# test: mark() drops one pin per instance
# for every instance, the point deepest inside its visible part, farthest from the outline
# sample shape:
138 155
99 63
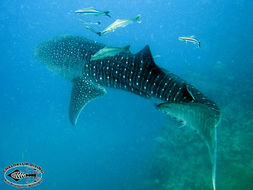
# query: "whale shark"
70 56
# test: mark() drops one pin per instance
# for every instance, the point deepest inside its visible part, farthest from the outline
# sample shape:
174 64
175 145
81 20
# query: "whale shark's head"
66 55
61 56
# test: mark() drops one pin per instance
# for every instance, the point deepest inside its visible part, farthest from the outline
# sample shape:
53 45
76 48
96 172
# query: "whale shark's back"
70 57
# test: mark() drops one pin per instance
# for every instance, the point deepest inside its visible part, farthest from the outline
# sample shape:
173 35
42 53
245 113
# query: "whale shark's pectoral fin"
83 91
200 117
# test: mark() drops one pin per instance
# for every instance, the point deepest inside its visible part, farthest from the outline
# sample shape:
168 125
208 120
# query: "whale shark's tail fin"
201 117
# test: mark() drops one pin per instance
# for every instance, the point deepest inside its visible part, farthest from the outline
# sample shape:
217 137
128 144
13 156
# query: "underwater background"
121 141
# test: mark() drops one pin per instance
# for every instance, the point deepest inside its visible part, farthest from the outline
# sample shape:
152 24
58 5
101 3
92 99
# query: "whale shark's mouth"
200 117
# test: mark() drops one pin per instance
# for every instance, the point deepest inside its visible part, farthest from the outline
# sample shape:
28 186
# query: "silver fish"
89 22
120 23
91 29
70 56
92 11
109 52
191 39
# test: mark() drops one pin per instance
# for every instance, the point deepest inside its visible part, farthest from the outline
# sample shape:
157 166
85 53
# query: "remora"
70 56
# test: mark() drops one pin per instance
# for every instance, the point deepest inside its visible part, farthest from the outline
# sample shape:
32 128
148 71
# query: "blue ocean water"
113 146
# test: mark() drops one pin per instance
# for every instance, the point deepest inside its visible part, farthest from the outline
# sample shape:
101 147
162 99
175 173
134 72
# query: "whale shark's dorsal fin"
201 117
83 91
146 56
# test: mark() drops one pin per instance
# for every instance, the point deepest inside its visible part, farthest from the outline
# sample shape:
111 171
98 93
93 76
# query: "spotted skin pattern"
70 57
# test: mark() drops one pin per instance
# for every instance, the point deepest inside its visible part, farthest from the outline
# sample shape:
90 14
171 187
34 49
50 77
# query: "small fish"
89 22
120 23
109 52
191 39
91 29
92 11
